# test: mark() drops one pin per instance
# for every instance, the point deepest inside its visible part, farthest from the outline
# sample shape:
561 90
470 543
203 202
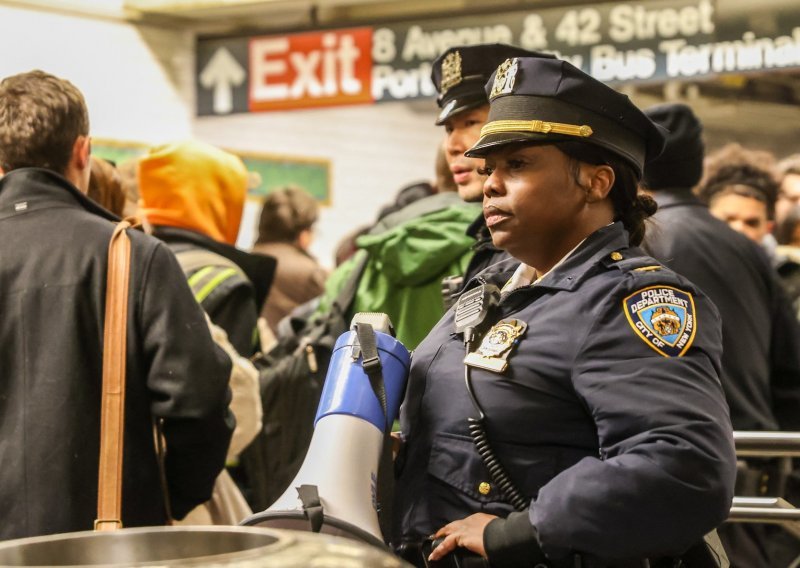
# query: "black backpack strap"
344 299
312 506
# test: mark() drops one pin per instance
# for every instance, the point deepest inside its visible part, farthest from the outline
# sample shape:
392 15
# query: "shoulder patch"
663 317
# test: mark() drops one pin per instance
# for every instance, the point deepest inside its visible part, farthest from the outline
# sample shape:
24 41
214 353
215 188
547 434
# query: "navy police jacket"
609 416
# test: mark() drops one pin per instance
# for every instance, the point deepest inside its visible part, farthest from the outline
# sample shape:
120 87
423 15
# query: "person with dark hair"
407 195
760 370
586 425
285 231
788 175
105 186
743 196
54 252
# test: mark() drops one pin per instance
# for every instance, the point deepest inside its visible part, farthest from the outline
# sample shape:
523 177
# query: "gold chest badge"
497 345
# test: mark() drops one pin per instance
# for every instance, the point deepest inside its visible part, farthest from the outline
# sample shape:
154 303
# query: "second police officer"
598 433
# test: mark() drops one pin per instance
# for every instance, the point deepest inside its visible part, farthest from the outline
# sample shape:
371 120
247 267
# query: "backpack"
291 376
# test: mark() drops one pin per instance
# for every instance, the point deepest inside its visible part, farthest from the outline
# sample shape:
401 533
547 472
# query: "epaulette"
636 263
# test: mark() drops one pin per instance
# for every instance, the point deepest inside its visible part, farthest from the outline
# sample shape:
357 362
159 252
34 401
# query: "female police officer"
597 369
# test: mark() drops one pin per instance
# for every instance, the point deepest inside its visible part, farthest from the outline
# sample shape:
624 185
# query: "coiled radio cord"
477 429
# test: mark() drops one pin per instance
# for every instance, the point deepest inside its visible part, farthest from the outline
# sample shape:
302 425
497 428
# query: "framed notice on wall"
268 172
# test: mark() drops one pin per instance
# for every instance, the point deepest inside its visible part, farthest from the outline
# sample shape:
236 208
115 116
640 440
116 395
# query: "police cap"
537 100
461 72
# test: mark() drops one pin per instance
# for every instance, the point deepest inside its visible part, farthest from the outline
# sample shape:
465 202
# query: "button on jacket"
623 452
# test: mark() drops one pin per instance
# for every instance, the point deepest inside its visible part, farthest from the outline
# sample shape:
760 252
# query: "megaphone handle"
372 364
312 507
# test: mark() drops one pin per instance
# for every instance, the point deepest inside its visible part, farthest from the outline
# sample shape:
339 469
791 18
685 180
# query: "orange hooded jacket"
193 185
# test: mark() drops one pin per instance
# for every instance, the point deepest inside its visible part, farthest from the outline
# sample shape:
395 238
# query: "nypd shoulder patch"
663 317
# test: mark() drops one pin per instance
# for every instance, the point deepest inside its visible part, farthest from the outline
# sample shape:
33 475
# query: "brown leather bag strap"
112 417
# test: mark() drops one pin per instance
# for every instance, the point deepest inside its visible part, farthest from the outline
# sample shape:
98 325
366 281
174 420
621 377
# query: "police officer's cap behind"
549 100
461 72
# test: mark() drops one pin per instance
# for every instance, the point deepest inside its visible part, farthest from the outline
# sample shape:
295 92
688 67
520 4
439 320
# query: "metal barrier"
767 444
772 510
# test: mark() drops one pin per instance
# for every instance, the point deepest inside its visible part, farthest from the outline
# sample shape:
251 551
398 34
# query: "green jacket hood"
416 251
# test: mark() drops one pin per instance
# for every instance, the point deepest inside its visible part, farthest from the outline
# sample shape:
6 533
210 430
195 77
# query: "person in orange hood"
193 195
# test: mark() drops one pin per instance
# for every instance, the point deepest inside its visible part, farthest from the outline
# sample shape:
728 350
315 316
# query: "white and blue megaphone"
335 491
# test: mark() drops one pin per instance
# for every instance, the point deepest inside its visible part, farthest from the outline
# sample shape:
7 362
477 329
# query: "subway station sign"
619 42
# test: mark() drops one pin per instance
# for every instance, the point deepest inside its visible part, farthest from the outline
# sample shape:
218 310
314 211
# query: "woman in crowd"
285 231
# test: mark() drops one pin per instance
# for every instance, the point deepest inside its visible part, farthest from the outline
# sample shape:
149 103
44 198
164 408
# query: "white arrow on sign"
222 73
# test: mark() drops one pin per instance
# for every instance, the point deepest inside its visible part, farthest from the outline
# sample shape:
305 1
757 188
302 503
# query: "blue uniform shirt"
609 417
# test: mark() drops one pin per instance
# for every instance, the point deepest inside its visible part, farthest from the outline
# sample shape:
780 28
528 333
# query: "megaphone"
335 491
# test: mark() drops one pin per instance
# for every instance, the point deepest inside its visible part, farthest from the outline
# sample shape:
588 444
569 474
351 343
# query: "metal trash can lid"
195 546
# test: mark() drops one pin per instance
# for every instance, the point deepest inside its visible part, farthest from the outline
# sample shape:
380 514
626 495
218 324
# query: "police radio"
473 307
471 310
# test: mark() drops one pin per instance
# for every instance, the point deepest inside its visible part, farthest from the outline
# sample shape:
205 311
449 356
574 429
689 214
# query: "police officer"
459 75
605 437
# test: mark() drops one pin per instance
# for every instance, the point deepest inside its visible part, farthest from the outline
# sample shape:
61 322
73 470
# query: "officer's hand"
465 533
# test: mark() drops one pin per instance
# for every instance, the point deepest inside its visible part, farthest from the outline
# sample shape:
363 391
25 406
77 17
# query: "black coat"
618 437
53 262
761 349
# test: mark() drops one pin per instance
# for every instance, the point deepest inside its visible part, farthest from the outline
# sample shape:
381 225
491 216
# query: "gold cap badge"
504 78
451 71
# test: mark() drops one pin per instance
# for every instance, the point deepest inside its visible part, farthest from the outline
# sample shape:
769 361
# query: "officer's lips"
461 174
494 216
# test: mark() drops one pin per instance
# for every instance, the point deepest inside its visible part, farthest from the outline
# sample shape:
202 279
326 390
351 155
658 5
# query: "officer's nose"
493 185
454 144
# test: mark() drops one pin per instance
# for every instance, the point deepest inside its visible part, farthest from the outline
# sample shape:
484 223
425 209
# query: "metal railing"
772 510
767 444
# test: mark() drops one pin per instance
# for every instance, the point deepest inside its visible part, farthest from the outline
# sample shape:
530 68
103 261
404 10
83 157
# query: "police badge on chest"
497 345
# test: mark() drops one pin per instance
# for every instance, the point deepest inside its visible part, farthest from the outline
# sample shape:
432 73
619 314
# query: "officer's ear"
597 181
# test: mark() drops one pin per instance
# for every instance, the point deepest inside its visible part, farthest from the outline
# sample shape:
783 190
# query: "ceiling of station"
237 16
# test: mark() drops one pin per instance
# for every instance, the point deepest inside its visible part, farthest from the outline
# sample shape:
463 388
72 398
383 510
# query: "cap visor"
491 142
460 104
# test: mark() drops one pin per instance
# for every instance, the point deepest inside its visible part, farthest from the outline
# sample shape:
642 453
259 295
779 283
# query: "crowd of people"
640 297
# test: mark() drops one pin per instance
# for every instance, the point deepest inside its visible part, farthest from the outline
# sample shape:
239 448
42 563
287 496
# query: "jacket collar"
675 197
31 189
259 268
569 274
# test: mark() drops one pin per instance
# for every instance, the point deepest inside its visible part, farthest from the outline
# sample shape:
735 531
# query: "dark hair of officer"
286 213
41 117
537 101
630 206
